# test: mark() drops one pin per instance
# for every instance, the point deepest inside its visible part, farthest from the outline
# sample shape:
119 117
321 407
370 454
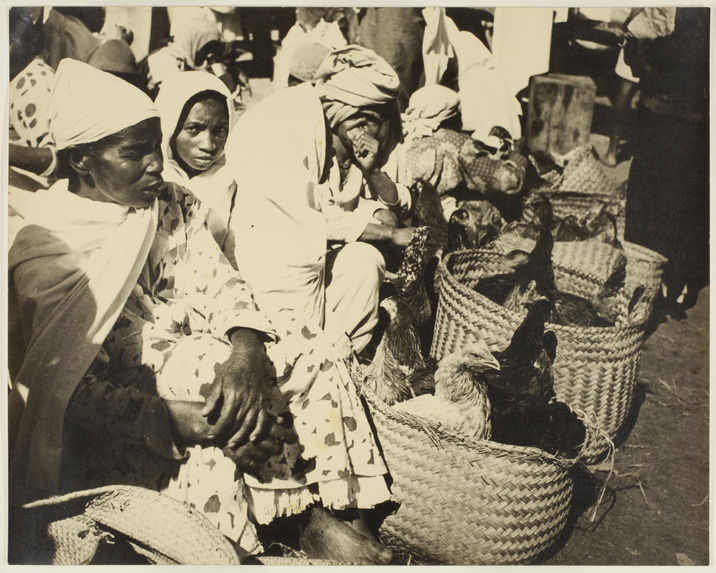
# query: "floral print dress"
168 342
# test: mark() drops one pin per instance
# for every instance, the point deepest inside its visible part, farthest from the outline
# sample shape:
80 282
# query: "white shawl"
72 265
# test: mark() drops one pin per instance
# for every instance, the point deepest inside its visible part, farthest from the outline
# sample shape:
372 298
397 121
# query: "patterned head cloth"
353 77
88 104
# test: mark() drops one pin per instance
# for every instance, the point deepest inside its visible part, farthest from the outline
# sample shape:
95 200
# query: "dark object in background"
396 34
90 16
26 37
559 115
667 206
68 33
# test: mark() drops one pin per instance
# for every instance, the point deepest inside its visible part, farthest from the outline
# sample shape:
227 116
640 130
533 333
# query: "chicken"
524 409
460 402
398 370
599 224
414 284
428 212
472 225
462 233
534 278
570 229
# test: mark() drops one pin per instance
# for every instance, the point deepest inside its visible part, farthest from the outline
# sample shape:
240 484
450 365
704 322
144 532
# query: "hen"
460 402
398 370
524 410
472 225
534 278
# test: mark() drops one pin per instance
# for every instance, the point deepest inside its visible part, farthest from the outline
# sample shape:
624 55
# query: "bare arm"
33 159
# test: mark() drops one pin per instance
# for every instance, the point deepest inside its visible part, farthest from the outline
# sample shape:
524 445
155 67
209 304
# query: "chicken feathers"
460 402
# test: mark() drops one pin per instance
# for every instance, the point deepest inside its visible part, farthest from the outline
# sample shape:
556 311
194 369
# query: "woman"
195 40
145 359
197 114
280 154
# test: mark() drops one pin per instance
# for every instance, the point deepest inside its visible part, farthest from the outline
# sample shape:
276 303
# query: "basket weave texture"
644 267
164 530
467 501
595 369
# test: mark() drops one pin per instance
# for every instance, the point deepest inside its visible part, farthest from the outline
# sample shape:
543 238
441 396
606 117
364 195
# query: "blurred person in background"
667 206
71 32
195 46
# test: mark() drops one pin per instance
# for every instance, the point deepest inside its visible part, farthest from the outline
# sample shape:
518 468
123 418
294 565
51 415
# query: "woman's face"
201 139
127 170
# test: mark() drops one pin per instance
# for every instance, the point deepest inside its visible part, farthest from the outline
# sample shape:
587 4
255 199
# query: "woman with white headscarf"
141 357
281 151
197 114
194 40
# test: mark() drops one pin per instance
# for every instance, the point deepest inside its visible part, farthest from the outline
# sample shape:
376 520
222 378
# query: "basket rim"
439 435
626 328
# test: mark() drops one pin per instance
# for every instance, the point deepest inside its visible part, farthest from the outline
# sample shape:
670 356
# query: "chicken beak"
492 362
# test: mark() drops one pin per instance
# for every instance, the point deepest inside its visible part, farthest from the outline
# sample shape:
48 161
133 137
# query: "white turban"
88 104
352 78
429 107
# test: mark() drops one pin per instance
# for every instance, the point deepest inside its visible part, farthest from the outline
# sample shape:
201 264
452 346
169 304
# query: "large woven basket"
595 369
467 501
590 263
69 529
579 204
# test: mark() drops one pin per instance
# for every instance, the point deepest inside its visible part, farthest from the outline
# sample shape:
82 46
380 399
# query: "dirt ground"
655 509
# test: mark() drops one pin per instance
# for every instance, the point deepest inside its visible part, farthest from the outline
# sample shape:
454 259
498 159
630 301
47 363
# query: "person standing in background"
667 206
396 34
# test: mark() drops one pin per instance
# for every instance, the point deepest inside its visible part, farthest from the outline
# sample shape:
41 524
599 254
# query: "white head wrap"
352 78
173 95
429 107
88 104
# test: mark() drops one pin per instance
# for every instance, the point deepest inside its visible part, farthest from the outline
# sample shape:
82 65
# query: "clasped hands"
235 414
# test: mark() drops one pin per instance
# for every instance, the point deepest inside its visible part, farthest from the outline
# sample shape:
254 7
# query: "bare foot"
326 537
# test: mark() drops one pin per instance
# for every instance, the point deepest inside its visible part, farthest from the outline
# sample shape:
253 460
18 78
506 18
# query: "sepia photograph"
356 285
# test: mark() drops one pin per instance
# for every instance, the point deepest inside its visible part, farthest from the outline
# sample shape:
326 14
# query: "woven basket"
579 204
595 369
583 173
591 263
162 529
644 267
467 501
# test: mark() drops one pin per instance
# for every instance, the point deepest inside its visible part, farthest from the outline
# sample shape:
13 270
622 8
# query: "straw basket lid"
160 528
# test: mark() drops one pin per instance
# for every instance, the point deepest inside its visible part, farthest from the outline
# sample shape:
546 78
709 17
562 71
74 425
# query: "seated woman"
144 360
197 114
281 151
